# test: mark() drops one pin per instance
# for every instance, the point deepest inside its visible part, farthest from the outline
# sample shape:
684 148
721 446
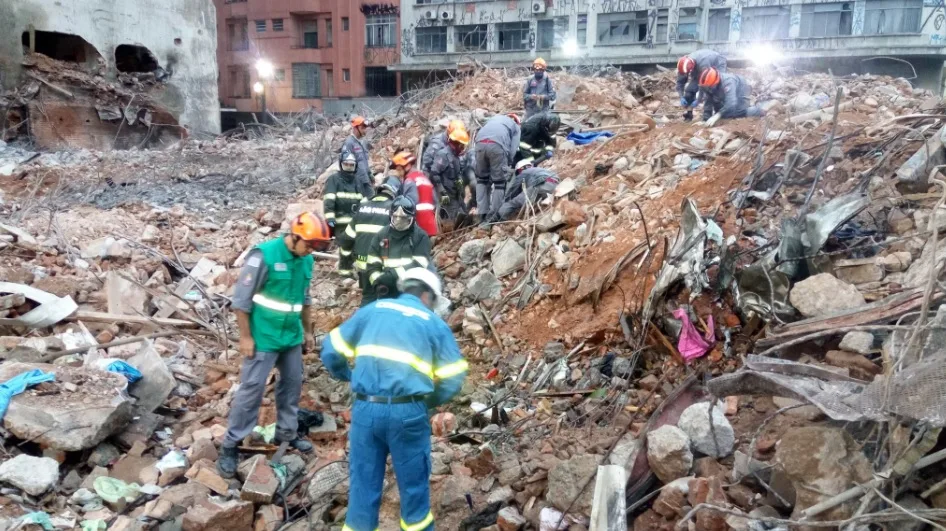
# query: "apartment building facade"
332 55
437 34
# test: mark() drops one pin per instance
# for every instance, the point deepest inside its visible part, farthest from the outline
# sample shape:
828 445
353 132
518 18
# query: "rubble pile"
726 327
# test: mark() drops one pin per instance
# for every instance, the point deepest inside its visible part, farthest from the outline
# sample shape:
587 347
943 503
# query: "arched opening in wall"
133 58
61 46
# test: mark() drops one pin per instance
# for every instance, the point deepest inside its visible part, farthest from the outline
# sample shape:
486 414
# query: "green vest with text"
276 320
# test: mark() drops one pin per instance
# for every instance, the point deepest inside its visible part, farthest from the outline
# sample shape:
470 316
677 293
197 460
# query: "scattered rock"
202 449
567 478
454 490
668 453
860 342
508 257
897 261
472 251
824 294
261 483
857 365
484 286
509 519
620 164
208 515
672 499
156 381
695 422
32 475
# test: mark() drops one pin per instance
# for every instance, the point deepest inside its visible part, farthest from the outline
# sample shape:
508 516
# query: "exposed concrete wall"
351 106
182 35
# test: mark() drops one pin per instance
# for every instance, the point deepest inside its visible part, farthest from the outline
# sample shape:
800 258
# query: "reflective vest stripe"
419 526
395 355
350 232
330 215
266 302
349 195
366 228
343 252
374 276
425 206
422 260
335 336
329 196
453 369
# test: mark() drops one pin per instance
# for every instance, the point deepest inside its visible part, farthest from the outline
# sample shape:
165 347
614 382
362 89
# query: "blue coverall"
400 349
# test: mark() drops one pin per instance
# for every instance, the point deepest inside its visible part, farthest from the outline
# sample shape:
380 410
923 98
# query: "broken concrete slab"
124 297
566 480
261 483
50 311
32 475
209 515
508 257
858 341
668 453
715 437
156 381
473 251
483 286
914 174
823 294
84 418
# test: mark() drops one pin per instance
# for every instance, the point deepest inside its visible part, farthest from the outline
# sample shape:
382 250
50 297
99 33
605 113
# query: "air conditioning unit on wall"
430 14
538 7
446 15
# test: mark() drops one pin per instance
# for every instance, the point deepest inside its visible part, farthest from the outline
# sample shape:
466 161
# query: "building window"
622 28
513 36
582 30
380 30
432 40
239 81
328 32
552 33
346 75
885 17
344 23
826 20
717 30
310 33
277 24
260 26
379 81
765 23
662 30
237 35
688 23
330 82
279 74
305 80
470 38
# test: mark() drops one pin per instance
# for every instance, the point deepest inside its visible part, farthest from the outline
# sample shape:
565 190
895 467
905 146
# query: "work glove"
549 153
688 116
684 102
331 227
444 200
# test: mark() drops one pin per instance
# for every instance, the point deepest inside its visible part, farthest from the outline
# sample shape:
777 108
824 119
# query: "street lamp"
264 70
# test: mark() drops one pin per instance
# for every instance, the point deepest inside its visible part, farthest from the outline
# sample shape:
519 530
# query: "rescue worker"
497 144
417 187
370 217
538 93
689 69
539 183
537 142
437 141
396 249
406 361
447 175
726 94
340 198
271 301
355 143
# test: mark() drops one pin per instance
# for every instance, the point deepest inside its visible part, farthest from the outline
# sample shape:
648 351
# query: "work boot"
227 461
301 444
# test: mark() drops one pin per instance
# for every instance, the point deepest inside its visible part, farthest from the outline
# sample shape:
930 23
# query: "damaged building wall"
180 36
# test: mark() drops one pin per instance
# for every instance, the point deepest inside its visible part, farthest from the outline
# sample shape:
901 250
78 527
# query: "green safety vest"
276 319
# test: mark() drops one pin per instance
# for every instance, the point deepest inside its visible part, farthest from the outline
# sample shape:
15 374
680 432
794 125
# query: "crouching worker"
405 361
540 183
272 302
726 94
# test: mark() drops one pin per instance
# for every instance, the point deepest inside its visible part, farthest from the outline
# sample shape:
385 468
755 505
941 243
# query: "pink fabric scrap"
691 345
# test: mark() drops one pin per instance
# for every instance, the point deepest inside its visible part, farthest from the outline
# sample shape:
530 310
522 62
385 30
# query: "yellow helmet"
539 62
460 136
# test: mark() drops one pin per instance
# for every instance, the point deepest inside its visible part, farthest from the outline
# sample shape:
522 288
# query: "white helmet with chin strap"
441 305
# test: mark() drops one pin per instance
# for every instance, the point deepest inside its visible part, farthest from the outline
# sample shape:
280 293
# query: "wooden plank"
608 511
105 317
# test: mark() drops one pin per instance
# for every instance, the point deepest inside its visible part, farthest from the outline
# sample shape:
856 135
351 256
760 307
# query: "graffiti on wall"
857 26
380 9
735 24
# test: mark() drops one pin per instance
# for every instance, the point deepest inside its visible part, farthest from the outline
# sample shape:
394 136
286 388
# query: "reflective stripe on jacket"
425 203
341 195
370 218
276 319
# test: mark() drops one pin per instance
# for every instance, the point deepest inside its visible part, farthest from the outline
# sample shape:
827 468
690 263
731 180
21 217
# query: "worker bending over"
396 249
340 197
446 172
272 303
537 142
539 183
689 69
371 216
497 143
538 93
406 361
355 143
417 187
727 95
436 142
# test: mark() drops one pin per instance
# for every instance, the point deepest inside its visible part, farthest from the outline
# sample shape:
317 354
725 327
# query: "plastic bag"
118 366
18 384
94 525
172 459
112 490
38 518
268 433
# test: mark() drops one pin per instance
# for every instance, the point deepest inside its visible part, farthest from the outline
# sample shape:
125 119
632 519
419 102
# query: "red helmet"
709 77
685 65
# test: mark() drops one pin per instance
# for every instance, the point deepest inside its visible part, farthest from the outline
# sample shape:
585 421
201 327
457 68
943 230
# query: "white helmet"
422 275
523 164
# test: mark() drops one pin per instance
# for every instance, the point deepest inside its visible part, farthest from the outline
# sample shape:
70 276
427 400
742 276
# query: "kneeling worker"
689 69
726 95
272 308
396 249
539 184
405 362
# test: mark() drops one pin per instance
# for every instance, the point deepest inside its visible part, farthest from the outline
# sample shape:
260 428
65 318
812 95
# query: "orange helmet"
539 62
310 227
357 120
515 118
685 65
454 125
460 136
709 77
403 158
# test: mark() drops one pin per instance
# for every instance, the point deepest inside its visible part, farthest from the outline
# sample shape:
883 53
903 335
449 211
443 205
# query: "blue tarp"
18 384
580 139
130 373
